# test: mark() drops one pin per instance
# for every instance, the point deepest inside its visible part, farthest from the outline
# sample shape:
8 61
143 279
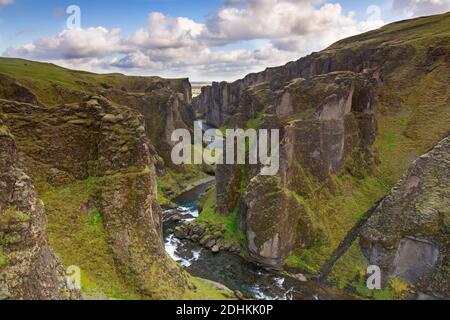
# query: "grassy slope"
41 78
78 237
404 134
227 224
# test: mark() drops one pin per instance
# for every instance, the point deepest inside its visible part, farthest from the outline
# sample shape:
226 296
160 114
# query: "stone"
226 246
215 248
176 218
238 295
414 259
180 233
44 278
211 243
300 277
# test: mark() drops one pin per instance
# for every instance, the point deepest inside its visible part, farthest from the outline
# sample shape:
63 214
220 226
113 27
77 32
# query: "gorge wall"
94 165
352 118
28 267
407 235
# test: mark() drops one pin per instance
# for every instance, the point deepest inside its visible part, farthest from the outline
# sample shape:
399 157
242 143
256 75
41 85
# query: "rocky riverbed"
185 243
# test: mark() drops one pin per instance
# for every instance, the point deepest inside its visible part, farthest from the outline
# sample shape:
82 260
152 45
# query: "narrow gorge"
87 178
352 119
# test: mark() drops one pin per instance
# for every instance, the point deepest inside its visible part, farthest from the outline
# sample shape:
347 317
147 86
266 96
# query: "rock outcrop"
28 267
270 237
97 138
407 236
328 107
323 121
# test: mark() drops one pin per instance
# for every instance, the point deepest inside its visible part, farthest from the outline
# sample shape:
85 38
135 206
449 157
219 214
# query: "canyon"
352 119
363 180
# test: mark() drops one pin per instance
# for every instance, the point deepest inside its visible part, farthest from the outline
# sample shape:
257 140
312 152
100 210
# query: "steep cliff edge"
407 233
380 51
28 267
164 103
352 118
117 213
93 146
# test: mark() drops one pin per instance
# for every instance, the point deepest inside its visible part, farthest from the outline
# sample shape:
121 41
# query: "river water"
232 270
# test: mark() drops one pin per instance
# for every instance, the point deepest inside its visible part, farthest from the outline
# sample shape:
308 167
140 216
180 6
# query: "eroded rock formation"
326 107
93 145
101 139
407 236
28 267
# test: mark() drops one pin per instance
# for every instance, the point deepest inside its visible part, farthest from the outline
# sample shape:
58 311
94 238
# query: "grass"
395 289
409 31
350 268
78 237
44 78
2 258
205 290
255 122
228 223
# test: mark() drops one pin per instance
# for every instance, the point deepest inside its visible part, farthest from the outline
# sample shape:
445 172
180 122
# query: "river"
233 270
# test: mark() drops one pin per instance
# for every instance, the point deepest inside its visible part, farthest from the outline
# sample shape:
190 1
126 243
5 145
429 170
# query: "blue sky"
202 39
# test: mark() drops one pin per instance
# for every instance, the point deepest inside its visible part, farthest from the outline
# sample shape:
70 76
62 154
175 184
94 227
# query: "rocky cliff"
407 236
28 267
352 118
93 146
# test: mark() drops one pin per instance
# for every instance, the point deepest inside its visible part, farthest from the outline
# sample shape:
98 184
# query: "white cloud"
282 20
282 30
166 32
415 8
6 2
73 44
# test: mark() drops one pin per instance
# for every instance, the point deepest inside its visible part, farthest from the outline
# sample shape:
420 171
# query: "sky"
205 40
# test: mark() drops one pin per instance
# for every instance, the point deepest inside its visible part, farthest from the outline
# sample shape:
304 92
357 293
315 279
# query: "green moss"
395 289
79 238
112 118
4 131
256 122
299 262
95 219
13 216
2 258
352 266
229 224
200 289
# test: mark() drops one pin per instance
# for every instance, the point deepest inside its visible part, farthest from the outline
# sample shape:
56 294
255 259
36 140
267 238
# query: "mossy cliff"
352 119
28 267
105 145
408 235
164 103
86 141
